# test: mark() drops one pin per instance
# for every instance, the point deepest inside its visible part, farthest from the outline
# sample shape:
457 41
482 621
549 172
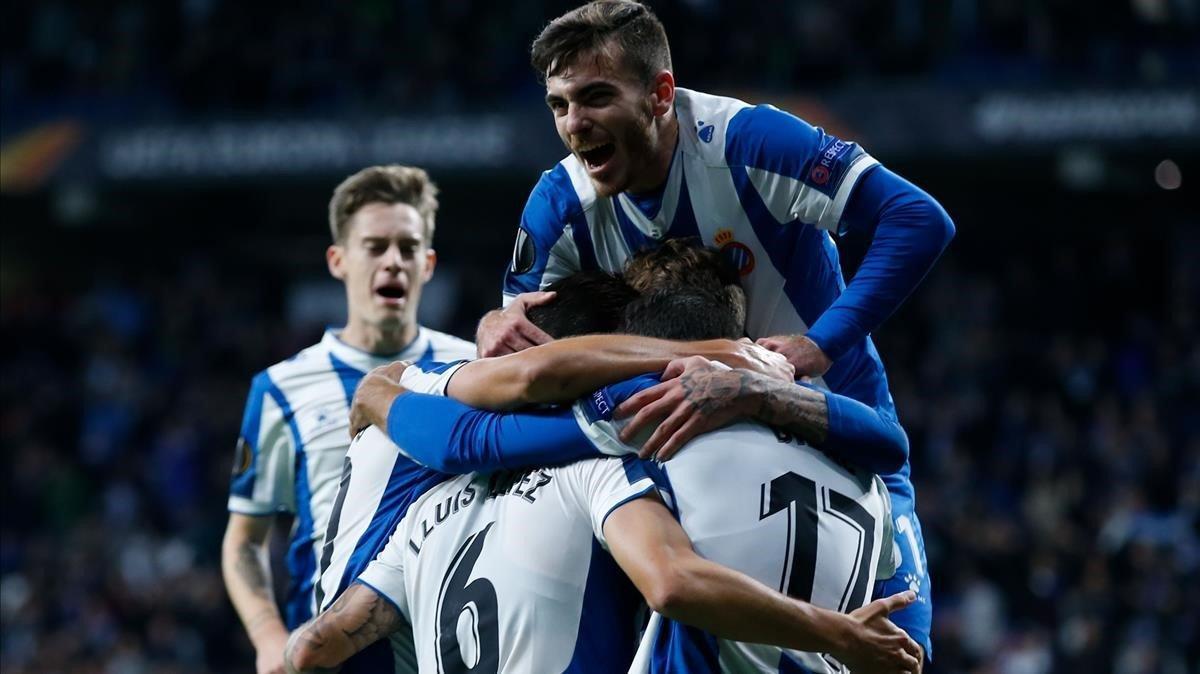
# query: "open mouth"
390 294
598 156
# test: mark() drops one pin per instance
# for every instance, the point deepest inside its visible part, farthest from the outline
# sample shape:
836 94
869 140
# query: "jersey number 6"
478 599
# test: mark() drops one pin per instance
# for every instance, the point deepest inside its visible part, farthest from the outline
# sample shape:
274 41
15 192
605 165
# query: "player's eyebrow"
583 91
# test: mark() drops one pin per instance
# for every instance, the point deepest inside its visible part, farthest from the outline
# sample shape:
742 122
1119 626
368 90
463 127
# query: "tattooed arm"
247 571
359 618
697 396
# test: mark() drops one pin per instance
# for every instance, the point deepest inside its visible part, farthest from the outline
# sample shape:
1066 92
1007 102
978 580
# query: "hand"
875 644
696 396
269 655
374 395
507 330
803 353
750 356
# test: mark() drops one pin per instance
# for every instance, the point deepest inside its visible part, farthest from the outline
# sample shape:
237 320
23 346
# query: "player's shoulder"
449 348
289 371
704 121
728 131
562 194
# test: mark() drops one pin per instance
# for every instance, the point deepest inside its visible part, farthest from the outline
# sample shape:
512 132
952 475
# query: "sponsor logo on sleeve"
826 164
737 253
242 457
524 253
599 406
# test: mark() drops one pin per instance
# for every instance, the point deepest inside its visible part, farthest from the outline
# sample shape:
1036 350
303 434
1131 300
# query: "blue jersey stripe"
406 484
635 238
684 224
242 484
608 628
680 648
349 375
301 558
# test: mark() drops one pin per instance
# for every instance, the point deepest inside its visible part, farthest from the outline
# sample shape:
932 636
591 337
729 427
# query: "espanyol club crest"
737 253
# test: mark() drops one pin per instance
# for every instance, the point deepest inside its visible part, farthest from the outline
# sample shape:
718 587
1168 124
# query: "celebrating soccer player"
294 433
651 162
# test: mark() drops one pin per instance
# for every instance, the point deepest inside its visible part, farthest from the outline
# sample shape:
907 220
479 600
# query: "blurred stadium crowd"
1056 459
158 58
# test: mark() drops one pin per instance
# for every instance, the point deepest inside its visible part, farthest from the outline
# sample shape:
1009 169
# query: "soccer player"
541 595
294 436
651 162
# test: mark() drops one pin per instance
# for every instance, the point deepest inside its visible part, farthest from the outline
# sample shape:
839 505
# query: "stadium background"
165 172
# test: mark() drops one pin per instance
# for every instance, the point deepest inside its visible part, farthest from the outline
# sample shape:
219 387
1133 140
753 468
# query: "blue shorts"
912 573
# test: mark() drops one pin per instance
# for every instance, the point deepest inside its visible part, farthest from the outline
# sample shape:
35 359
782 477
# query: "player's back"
505 572
783 513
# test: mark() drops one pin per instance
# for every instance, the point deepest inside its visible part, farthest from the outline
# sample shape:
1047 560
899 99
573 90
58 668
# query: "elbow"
670 592
896 454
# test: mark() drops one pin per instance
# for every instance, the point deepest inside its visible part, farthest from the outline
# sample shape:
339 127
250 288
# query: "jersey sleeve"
430 378
385 573
445 435
909 230
595 415
545 249
800 172
264 477
607 484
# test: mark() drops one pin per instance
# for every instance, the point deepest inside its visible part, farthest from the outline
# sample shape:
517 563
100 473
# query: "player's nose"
577 120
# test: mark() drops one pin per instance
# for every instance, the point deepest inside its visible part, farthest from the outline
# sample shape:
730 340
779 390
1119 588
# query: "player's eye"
600 99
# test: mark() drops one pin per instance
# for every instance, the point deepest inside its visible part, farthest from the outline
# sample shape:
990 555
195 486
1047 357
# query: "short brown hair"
639 39
392 184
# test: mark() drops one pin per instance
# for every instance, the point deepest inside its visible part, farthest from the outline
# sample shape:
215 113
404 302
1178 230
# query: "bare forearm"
733 606
245 567
357 619
563 370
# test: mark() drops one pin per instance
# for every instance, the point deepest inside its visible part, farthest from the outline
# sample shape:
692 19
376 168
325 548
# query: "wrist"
269 635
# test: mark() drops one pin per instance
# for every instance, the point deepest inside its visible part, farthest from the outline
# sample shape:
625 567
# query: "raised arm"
697 396
656 554
359 618
563 370
909 230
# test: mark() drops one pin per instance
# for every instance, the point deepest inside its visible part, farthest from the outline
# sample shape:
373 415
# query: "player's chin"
609 183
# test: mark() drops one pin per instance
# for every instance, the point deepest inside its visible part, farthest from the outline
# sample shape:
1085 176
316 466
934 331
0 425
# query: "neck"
660 163
378 339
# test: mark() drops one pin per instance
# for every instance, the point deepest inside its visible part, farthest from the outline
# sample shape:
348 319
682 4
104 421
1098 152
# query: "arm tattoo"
249 567
795 409
799 410
358 618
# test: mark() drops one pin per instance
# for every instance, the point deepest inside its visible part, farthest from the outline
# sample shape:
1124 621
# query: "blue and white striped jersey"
294 437
760 184
405 530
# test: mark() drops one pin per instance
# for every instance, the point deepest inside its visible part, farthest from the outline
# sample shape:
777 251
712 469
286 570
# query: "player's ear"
662 93
430 263
335 259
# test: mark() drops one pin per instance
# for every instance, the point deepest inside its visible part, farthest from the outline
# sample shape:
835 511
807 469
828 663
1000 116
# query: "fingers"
896 602
535 299
649 415
528 331
665 429
914 649
691 428
639 400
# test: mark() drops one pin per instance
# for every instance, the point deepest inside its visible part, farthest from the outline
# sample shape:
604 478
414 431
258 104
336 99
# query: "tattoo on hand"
798 410
711 390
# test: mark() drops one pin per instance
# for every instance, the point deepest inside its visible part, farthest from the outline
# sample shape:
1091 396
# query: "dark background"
1047 371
